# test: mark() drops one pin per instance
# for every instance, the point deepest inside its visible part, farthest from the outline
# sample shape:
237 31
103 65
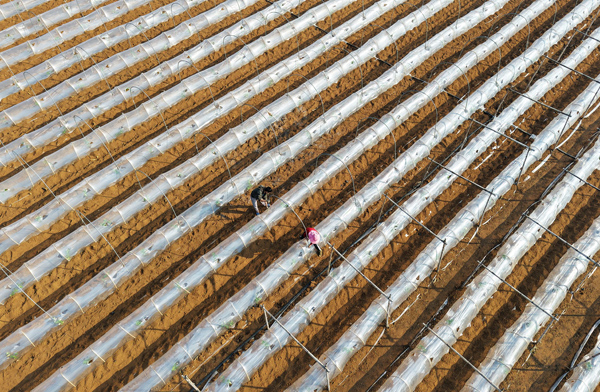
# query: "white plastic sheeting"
89 22
130 89
152 108
298 318
79 26
585 377
45 20
82 365
135 159
220 255
471 214
203 269
505 353
127 59
431 349
51 258
340 353
70 122
88 48
46 216
16 7
108 280
295 321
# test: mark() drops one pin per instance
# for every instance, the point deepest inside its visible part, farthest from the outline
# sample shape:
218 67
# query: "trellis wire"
128 121
18 231
161 368
124 60
417 272
485 284
225 193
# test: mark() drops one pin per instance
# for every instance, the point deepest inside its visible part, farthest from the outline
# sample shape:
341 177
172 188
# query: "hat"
314 237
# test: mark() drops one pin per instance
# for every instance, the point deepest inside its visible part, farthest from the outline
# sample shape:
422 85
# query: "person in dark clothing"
314 238
260 193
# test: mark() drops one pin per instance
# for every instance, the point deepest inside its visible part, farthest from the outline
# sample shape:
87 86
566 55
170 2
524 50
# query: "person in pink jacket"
314 238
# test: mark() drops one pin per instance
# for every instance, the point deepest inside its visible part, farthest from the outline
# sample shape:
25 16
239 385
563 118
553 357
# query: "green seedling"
228 325
105 277
10 355
16 289
228 381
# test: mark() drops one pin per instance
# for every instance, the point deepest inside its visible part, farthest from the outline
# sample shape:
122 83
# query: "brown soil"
128 17
366 367
37 11
136 13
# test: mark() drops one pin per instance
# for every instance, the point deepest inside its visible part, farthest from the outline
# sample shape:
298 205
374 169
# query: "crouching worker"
313 237
260 193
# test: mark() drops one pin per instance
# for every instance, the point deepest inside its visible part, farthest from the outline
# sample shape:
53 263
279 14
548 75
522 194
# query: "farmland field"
446 151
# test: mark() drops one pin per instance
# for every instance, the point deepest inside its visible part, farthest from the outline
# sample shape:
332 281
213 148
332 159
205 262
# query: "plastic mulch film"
217 257
585 377
47 215
49 259
153 107
70 122
431 348
340 353
341 214
109 279
45 20
129 58
303 313
74 28
506 352
16 7
87 48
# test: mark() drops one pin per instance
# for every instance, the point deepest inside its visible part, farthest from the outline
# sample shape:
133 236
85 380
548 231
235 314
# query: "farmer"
313 237
260 194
